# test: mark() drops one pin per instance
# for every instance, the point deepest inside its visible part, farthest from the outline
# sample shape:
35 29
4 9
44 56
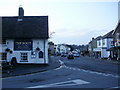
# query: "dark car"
70 55
63 54
57 54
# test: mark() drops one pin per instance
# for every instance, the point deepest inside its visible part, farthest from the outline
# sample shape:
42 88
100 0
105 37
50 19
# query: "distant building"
62 48
83 49
92 44
51 48
24 39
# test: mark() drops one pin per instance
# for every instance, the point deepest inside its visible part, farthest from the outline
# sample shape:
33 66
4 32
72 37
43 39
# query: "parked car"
70 55
57 54
76 54
63 54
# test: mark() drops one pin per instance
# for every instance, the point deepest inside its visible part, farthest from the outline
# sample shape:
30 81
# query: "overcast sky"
73 21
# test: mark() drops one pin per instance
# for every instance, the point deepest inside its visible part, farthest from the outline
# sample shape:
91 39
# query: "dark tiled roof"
108 35
29 27
98 38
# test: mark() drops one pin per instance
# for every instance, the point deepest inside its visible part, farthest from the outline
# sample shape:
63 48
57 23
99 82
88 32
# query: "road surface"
70 75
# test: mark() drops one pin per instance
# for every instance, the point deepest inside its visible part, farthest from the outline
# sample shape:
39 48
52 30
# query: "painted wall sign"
23 45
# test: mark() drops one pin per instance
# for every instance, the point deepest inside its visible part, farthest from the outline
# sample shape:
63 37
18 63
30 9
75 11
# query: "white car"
76 54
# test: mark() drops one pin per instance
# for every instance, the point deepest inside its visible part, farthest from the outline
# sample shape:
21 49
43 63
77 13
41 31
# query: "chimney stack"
21 12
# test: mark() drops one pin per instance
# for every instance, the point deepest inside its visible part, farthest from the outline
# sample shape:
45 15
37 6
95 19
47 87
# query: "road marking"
118 87
66 83
88 71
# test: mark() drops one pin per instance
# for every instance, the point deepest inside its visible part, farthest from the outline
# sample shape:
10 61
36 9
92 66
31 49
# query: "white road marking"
118 87
66 83
88 71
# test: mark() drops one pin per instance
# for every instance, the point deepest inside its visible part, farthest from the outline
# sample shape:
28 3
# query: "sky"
72 21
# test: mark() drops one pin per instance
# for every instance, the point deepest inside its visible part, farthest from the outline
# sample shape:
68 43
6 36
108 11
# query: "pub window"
33 54
3 56
40 54
24 57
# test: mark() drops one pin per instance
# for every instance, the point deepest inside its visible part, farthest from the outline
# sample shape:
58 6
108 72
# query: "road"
77 73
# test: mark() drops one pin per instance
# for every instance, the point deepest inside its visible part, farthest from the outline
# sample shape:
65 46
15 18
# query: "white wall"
104 47
62 48
104 53
109 43
36 43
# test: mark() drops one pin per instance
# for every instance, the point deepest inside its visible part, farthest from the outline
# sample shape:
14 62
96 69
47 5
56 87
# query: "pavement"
23 69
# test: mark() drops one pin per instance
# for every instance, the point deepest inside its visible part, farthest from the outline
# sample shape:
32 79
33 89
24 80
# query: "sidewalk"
29 68
104 60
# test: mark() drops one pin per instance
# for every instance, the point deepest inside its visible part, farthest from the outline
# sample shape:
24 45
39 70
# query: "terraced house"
116 37
24 39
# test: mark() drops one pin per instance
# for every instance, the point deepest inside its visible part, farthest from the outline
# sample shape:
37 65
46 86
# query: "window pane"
24 56
3 56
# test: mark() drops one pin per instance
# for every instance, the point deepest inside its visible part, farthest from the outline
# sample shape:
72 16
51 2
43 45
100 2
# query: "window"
3 41
33 54
112 43
24 57
3 56
103 41
99 43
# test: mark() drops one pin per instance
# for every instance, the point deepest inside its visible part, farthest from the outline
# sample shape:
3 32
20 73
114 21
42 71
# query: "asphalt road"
97 65
81 72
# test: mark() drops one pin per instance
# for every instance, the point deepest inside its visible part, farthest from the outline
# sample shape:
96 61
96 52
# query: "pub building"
24 39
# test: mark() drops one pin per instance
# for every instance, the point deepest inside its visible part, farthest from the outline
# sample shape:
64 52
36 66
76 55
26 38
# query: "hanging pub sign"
23 45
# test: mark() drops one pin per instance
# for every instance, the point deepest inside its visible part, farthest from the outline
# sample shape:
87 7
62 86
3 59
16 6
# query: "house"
103 44
57 49
51 48
107 43
83 49
62 48
92 44
24 39
92 47
116 39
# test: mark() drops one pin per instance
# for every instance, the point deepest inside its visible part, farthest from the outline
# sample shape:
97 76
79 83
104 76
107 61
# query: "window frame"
23 57
3 56
4 41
